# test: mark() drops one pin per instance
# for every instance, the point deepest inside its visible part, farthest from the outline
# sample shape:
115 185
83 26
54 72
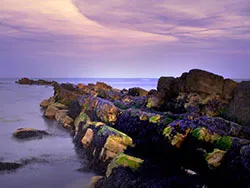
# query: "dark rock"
27 81
203 82
245 157
9 166
74 109
23 133
167 88
200 91
239 107
136 91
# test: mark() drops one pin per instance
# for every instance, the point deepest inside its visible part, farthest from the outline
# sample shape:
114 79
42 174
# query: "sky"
124 38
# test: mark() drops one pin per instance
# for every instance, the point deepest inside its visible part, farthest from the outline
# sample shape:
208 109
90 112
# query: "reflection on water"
49 162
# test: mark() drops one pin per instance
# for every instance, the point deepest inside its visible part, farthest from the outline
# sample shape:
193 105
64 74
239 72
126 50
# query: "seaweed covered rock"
100 109
101 142
124 160
23 133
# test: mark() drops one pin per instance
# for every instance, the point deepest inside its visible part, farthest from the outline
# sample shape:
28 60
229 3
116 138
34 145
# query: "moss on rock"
82 117
155 119
215 158
124 160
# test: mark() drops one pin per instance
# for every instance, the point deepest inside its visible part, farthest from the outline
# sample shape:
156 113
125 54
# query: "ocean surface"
52 161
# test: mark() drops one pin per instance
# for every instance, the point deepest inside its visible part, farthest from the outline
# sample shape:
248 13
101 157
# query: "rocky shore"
193 131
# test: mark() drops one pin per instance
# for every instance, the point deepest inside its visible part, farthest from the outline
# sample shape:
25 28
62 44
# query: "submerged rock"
23 133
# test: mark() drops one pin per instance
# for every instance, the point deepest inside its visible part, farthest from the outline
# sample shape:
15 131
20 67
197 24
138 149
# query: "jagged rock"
23 133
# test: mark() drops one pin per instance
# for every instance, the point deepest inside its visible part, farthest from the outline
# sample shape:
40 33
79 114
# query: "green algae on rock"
126 161
215 158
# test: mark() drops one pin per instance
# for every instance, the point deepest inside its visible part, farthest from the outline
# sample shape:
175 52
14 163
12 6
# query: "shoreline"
172 136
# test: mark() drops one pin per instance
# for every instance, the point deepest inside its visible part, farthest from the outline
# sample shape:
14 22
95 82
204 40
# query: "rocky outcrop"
169 137
27 81
24 133
196 91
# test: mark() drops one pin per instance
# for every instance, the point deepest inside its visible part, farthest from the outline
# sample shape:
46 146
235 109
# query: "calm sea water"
53 161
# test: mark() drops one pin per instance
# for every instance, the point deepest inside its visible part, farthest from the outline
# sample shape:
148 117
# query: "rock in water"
23 133
9 166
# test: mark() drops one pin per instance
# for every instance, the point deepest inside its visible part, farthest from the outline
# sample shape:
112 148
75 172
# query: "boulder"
68 122
197 91
137 91
203 82
9 166
239 108
23 133
101 142
125 161
45 103
167 88
100 110
50 112
60 115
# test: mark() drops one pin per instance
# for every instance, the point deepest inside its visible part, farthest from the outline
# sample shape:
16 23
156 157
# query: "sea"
52 161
